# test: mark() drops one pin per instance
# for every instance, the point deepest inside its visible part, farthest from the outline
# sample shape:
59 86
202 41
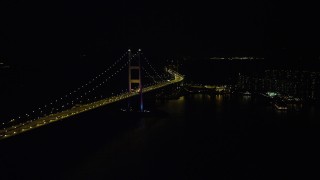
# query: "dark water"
195 137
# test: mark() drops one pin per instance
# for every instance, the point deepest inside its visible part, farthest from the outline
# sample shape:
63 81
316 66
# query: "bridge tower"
135 81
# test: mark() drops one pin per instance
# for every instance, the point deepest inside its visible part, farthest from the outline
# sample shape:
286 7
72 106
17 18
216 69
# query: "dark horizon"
60 32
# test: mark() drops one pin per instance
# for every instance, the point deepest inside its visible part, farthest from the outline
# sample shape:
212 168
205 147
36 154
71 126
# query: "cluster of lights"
85 94
151 67
41 110
148 74
236 58
60 115
124 94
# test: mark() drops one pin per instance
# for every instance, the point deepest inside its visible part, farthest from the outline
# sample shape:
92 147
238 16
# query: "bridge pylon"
132 80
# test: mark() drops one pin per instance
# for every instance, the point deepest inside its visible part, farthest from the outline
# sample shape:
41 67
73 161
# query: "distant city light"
236 58
272 94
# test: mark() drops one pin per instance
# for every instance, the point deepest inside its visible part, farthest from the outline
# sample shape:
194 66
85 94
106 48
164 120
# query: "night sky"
50 48
59 31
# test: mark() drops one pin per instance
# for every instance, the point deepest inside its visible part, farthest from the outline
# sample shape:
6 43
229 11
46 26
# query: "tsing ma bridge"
77 101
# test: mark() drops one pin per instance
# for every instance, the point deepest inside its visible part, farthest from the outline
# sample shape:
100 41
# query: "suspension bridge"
84 99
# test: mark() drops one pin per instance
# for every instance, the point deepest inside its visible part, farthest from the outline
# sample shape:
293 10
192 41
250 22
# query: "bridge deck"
32 124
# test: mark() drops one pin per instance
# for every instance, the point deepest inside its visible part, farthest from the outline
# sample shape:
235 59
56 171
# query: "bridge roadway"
32 124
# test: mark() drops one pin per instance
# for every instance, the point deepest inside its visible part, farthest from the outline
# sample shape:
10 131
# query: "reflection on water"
198 97
246 99
218 99
175 106
197 135
181 99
